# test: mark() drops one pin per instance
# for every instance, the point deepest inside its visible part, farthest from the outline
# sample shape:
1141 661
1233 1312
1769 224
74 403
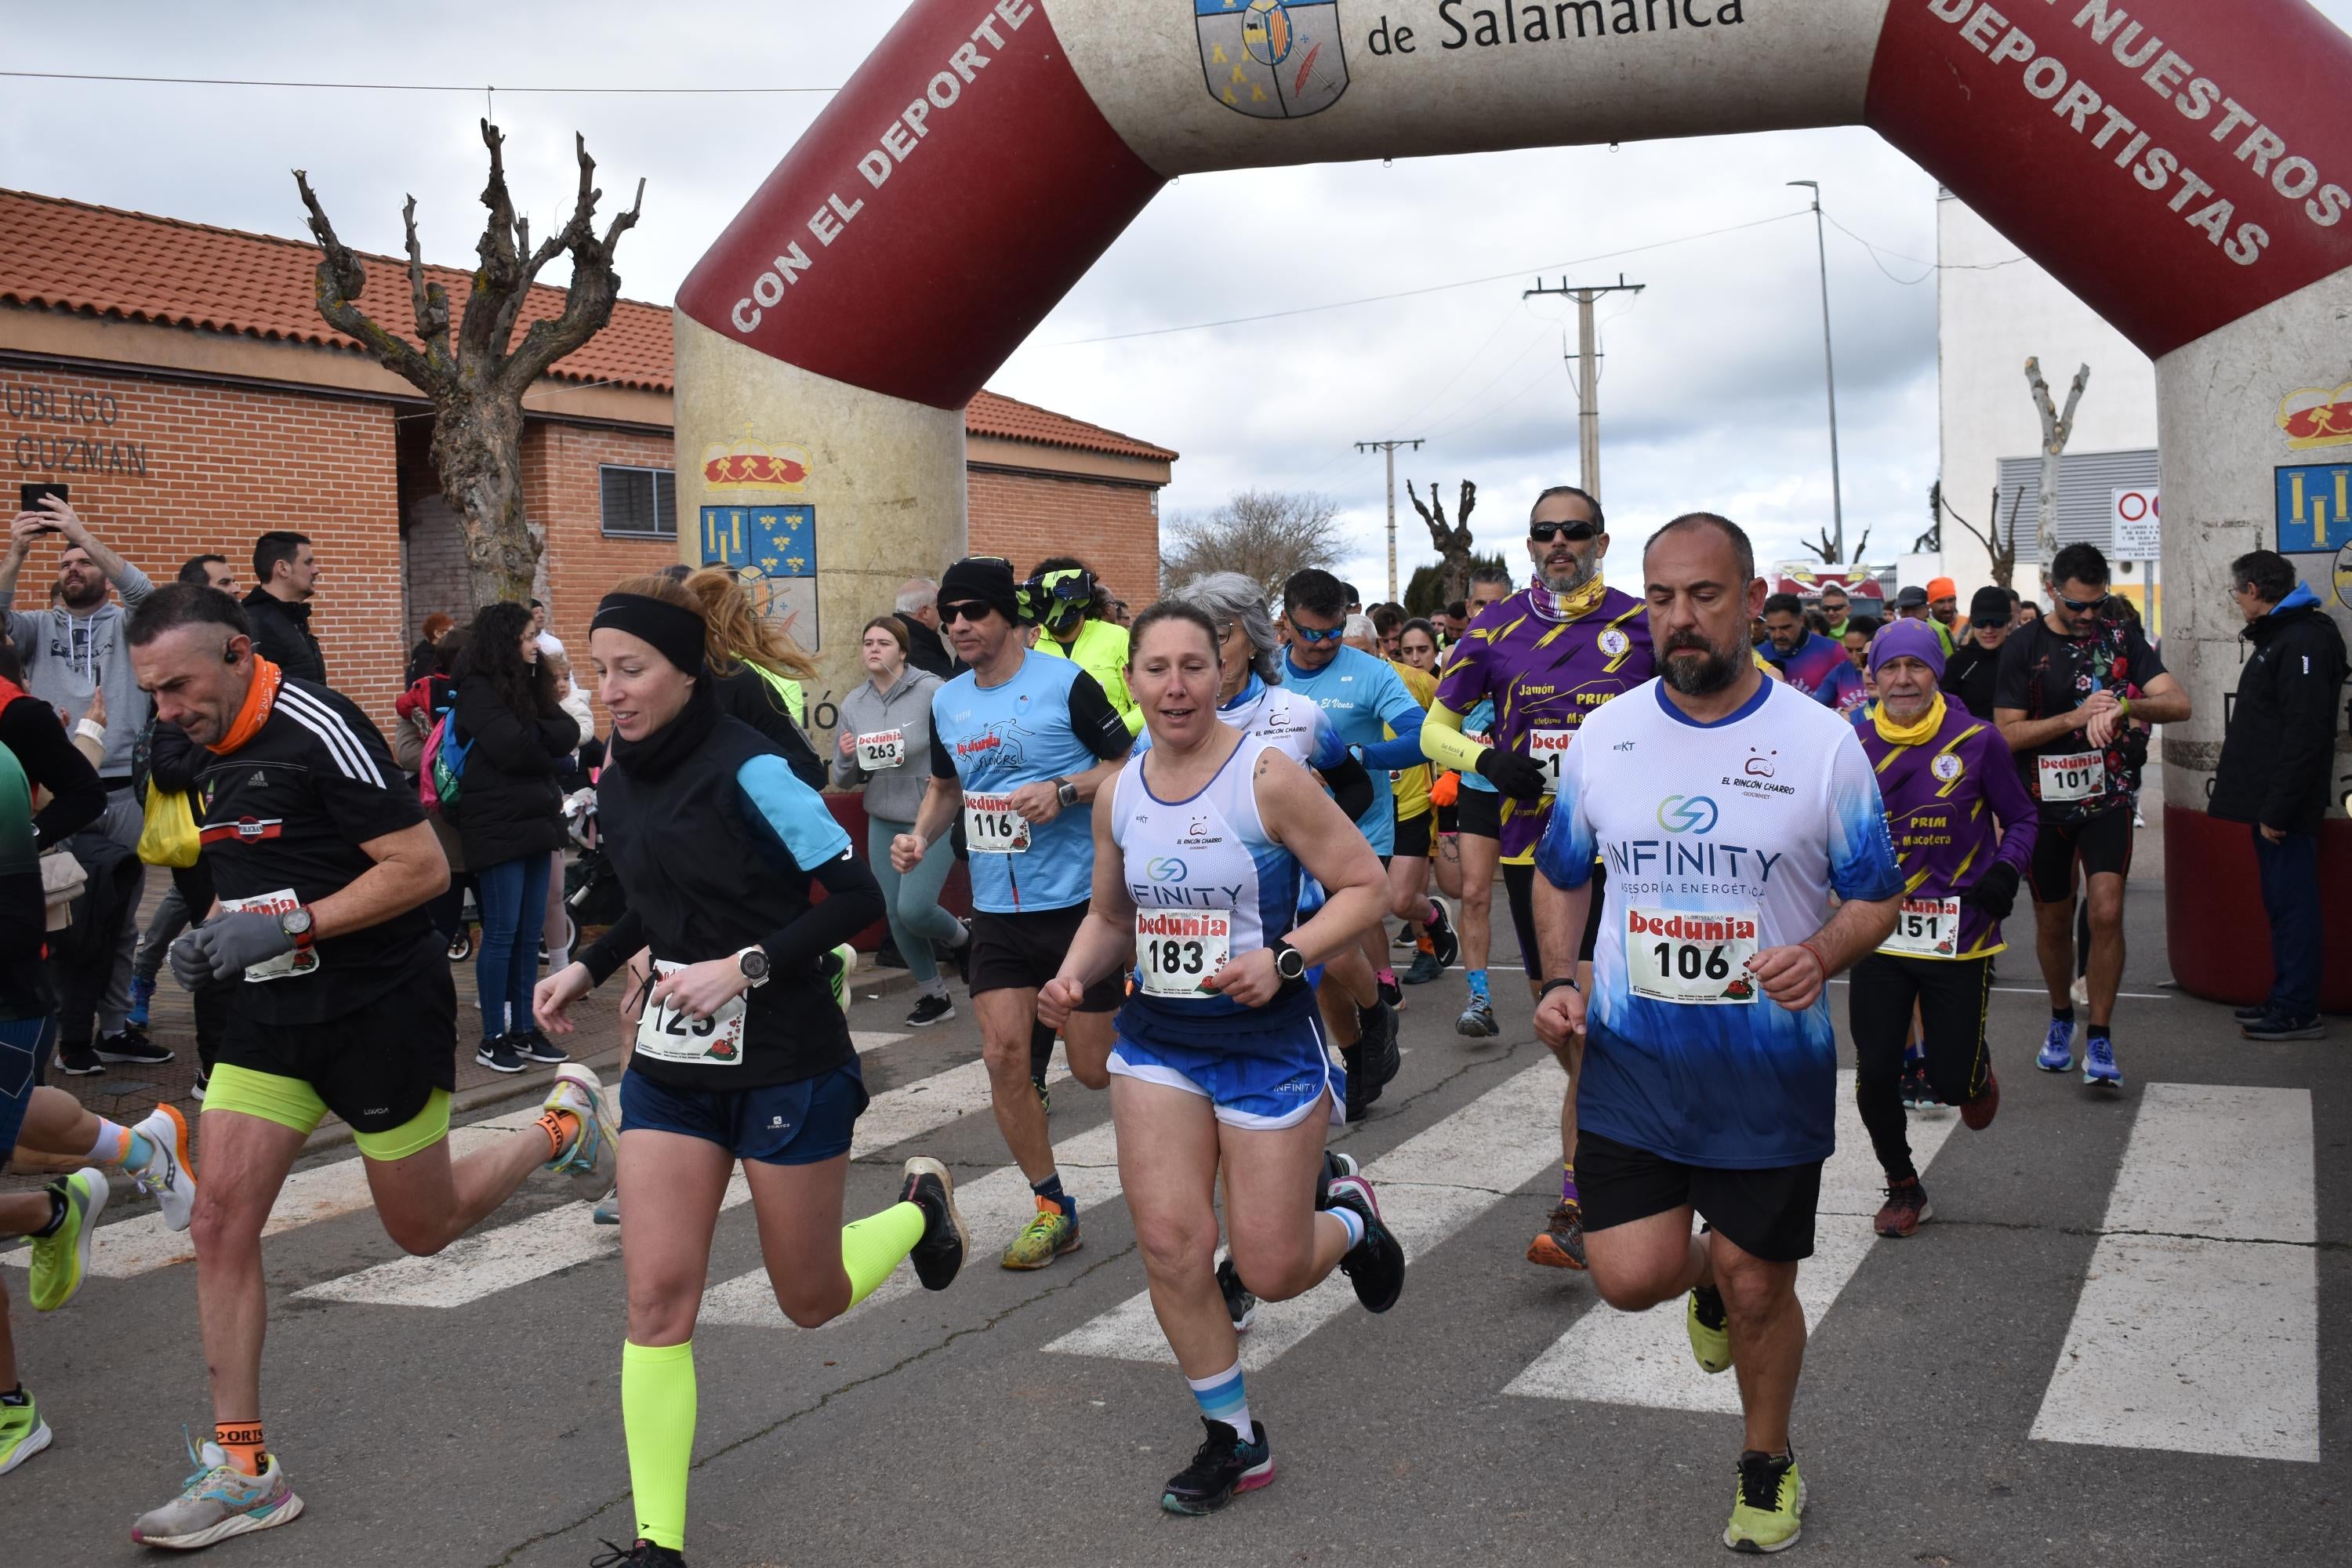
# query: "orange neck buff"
259 699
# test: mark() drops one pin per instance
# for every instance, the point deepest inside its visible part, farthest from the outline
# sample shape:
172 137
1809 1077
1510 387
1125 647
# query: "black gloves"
1995 892
1513 774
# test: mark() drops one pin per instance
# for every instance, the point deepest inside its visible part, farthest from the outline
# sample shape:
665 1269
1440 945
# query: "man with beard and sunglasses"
1547 659
1725 809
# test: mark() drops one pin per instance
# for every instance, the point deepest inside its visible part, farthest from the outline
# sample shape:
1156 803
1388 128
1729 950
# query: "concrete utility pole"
1391 448
1828 361
1588 371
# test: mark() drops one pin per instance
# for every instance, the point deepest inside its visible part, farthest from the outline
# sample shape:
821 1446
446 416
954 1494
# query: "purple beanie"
1908 639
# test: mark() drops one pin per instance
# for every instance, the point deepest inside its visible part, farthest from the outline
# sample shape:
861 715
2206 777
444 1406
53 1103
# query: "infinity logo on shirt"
1165 869
1687 813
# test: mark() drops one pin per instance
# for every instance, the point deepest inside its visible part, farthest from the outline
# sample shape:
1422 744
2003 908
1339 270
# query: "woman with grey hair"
1239 609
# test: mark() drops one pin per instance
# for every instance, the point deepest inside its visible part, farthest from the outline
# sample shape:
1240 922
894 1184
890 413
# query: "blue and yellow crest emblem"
1277 59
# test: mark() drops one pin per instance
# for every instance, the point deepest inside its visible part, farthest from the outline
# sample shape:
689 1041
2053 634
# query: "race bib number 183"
1692 958
1176 949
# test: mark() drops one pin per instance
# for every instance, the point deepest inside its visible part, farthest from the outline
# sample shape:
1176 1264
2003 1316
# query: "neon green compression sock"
657 1417
874 1247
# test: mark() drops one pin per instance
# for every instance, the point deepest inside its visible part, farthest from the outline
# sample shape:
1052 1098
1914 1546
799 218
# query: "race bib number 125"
1691 958
674 1036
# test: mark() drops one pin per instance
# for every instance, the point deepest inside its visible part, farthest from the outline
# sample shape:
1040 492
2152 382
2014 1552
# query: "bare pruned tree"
2057 429
1999 539
1451 540
477 379
1826 548
1265 535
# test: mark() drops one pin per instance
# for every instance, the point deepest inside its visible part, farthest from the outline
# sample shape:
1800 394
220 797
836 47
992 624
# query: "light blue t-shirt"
1000 738
1364 696
1479 721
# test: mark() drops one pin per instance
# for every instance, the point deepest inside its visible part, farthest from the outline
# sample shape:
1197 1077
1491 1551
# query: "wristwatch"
1551 985
1065 792
298 925
1289 962
753 962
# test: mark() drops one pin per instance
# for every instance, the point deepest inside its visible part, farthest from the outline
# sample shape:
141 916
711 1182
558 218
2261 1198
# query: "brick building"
179 378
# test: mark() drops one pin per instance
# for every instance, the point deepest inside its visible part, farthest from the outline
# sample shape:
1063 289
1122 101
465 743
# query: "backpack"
441 768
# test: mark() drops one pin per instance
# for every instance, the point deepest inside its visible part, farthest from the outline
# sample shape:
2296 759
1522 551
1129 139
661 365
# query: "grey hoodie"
69 658
896 793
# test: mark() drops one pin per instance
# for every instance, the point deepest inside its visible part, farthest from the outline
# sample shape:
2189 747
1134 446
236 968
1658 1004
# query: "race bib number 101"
1692 958
991 825
1177 950
2077 775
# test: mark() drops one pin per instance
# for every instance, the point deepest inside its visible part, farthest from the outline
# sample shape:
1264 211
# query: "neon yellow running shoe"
847 960
1710 1335
61 1258
22 1433
1767 1510
1049 1233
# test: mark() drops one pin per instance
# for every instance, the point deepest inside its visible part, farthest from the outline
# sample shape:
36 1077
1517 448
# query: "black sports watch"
753 963
1289 962
1065 792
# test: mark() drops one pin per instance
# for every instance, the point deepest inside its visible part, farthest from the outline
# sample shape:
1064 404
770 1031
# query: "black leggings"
1952 995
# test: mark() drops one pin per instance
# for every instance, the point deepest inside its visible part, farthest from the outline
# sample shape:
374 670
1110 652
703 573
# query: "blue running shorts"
800 1123
1274 1084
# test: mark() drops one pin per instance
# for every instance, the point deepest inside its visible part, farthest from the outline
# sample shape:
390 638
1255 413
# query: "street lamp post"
1828 361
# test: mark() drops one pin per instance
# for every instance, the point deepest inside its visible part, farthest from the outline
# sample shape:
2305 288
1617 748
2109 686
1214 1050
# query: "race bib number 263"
1692 958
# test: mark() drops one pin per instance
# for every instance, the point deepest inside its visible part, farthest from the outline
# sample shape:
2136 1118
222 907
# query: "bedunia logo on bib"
1691 926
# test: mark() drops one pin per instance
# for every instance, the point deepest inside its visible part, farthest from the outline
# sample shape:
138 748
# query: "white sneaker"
590 1159
2081 993
168 1176
218 1501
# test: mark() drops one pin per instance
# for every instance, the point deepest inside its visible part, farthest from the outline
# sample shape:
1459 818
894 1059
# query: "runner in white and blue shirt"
1725 809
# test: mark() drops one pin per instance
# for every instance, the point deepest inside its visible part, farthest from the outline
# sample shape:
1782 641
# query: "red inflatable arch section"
2184 167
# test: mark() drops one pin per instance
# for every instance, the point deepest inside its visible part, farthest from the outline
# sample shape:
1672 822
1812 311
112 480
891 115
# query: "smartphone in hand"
28 498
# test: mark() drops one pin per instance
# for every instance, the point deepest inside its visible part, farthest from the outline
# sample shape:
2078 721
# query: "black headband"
676 635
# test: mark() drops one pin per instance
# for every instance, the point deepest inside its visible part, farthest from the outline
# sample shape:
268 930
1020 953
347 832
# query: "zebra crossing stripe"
519 1253
2198 1329
1430 1186
1643 1358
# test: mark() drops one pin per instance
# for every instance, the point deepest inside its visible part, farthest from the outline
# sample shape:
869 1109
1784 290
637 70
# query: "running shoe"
1423 969
2260 1010
1405 938
2058 1048
1478 1021
498 1054
78 1058
1241 1303
1335 1166
1976 1114
142 991
201 1084
168 1176
1709 1328
1768 1511
1904 1210
644 1554
1049 1233
2099 1069
2279 1026
930 1009
132 1045
2080 991
1442 937
1222 1468
22 1433
61 1259
1375 1266
845 959
590 1159
1918 1093
939 1254
217 1501
1560 1243
608 1208
1378 1038
533 1045
959 954
1392 993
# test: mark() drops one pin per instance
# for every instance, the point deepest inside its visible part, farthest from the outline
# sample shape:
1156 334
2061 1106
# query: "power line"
1430 289
405 86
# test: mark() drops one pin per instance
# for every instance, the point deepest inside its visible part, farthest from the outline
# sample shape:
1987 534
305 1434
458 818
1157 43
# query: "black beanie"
988 579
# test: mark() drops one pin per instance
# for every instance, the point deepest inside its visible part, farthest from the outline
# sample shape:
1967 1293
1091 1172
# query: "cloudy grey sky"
1711 390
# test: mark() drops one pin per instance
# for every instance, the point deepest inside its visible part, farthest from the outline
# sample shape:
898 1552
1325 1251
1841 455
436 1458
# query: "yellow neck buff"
1911 735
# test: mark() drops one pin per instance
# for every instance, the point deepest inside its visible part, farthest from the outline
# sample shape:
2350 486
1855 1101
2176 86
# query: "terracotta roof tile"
73 256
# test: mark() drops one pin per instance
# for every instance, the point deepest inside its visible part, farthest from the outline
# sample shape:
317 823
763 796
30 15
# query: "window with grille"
639 503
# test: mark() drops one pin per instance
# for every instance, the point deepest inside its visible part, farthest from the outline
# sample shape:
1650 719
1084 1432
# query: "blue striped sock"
1223 1398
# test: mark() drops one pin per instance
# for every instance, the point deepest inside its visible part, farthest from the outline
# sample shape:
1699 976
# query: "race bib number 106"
991 825
1692 958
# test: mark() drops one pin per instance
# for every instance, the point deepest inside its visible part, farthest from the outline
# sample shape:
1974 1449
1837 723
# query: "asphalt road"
2162 1306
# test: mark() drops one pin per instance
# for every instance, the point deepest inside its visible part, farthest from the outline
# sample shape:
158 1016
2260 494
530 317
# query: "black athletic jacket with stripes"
285 815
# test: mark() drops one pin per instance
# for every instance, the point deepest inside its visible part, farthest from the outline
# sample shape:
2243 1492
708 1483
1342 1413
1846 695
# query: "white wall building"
1993 311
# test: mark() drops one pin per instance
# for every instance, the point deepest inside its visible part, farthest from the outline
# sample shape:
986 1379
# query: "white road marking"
1643 1358
873 1039
516 1254
2197 1328
1429 1187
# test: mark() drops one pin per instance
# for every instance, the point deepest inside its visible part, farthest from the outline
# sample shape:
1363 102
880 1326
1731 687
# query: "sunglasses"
2082 609
1574 533
1309 635
972 611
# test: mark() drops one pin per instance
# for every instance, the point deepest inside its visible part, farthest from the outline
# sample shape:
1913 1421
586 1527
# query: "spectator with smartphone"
285 576
73 652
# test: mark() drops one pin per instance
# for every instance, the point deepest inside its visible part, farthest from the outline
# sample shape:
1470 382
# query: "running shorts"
1278 1083
2101 843
1412 839
1480 812
1021 951
380 1069
1767 1213
1449 820
800 1123
22 1043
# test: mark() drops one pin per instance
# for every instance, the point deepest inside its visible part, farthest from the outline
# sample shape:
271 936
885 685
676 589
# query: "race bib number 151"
1692 958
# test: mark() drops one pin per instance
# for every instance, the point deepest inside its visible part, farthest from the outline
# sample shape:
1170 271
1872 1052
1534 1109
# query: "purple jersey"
1938 792
1819 669
1545 676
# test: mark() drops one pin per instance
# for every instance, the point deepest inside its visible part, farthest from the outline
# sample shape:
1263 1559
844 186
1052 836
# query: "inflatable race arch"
2184 167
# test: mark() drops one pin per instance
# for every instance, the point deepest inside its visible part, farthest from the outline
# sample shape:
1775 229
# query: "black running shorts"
2101 843
1020 953
1767 1213
1478 813
376 1067
1413 839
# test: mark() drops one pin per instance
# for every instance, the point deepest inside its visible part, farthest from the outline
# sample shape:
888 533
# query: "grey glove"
229 945
190 967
